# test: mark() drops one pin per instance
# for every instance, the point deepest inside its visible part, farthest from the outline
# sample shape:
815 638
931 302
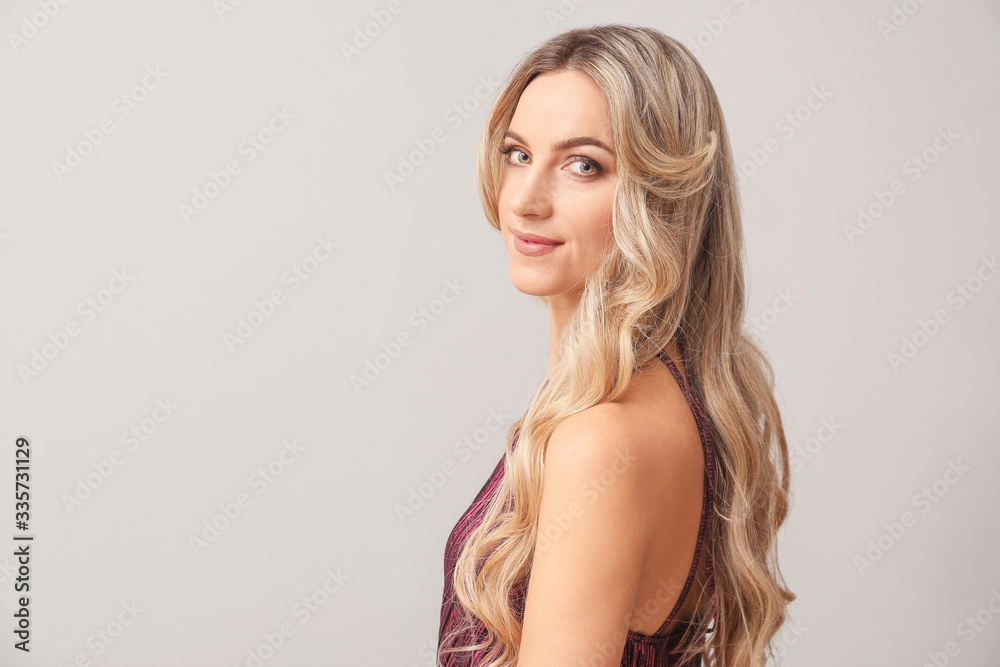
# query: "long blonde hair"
674 272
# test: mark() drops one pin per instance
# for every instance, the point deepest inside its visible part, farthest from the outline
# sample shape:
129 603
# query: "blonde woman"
633 517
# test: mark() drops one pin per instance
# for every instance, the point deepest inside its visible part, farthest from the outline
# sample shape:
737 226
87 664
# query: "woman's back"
659 647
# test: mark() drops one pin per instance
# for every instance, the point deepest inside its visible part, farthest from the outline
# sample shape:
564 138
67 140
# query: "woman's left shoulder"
611 435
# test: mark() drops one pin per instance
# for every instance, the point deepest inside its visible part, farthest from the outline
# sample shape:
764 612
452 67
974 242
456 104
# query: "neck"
561 309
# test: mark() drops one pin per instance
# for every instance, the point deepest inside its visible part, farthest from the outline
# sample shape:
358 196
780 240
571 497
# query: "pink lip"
533 245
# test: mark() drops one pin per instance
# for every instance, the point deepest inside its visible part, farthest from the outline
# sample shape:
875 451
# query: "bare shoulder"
652 422
611 473
651 428
596 437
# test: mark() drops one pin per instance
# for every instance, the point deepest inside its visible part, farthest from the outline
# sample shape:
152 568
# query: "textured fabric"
657 650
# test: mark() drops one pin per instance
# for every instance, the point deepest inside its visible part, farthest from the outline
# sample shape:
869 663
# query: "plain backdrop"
261 380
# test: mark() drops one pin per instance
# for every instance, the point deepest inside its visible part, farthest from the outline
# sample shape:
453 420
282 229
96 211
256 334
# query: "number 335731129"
22 477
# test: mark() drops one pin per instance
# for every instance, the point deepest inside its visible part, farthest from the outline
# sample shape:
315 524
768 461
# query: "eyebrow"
572 142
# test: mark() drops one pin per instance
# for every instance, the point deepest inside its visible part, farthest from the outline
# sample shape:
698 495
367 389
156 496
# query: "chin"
539 285
533 286
532 289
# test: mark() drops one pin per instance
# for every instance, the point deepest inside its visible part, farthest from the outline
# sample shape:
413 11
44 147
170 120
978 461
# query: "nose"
531 194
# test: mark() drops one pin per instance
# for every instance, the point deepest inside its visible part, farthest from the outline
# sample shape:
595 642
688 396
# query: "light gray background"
334 506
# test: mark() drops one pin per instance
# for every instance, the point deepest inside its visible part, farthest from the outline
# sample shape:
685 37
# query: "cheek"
503 207
592 219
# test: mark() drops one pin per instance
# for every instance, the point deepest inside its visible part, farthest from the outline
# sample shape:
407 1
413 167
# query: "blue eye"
513 149
590 168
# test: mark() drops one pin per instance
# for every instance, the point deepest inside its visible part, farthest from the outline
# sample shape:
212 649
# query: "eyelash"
507 150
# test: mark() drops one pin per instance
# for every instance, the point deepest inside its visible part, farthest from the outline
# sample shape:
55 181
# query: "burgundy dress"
657 650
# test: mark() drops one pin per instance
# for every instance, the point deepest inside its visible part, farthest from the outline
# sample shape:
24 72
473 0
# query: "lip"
533 245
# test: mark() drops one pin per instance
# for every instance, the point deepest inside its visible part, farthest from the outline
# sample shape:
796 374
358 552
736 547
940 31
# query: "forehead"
558 105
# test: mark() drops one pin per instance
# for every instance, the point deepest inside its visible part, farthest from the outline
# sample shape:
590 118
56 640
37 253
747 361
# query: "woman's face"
558 183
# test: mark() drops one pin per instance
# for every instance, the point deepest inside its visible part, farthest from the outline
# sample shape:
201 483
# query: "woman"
632 519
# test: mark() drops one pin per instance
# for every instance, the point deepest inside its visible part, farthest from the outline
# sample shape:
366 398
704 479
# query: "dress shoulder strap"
708 508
